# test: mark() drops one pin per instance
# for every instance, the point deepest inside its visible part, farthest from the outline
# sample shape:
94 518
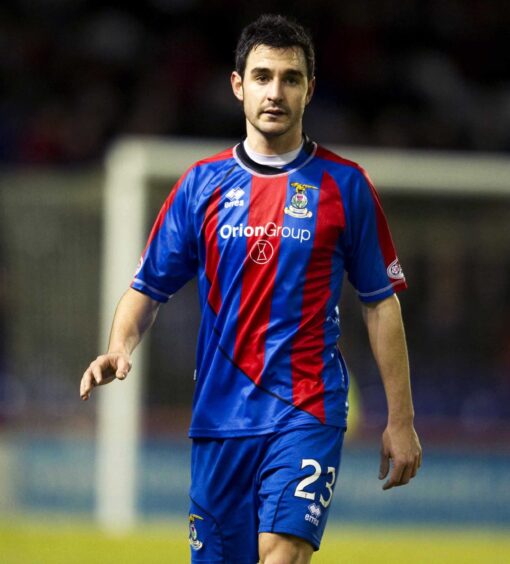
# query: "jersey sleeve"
371 263
170 256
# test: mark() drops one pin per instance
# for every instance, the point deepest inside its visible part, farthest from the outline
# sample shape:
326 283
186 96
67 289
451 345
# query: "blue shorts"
277 483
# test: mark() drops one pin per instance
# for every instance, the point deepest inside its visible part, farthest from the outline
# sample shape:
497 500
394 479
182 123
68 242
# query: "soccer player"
269 227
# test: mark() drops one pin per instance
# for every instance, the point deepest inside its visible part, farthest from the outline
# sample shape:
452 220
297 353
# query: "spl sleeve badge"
299 201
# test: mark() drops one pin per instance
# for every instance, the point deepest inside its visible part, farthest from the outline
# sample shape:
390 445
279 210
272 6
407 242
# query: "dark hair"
278 32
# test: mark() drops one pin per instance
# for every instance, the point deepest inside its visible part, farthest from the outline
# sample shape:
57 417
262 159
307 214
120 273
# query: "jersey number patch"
300 489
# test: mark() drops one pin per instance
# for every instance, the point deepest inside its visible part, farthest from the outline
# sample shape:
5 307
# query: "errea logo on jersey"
234 196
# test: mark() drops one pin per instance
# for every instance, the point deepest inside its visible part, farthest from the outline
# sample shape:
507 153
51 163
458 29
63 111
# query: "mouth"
274 112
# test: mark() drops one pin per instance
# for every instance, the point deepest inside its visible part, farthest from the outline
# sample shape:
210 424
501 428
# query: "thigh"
223 507
296 481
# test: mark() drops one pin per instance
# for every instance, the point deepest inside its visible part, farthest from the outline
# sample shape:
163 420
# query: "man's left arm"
400 442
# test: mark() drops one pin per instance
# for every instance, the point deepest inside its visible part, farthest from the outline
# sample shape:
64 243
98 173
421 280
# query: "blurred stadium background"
78 76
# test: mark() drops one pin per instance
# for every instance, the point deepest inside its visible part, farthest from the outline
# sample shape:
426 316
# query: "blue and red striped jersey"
270 247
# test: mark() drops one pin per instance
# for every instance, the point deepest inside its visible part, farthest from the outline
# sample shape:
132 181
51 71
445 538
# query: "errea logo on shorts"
234 196
266 231
313 515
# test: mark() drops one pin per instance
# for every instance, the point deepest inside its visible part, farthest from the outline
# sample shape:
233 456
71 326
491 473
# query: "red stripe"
212 255
323 153
307 361
384 235
383 232
168 202
267 202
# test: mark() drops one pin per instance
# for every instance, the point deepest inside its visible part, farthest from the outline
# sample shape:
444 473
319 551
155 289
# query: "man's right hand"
103 370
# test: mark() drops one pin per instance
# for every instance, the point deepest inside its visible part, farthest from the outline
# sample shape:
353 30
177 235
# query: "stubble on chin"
270 129
271 132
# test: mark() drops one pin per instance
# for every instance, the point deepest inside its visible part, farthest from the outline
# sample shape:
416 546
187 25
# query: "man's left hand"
400 443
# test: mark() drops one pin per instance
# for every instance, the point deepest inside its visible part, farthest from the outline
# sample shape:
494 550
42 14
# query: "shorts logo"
299 201
313 515
395 271
193 535
234 196
262 252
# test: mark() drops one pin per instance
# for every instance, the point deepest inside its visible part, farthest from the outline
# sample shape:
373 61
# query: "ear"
310 91
237 85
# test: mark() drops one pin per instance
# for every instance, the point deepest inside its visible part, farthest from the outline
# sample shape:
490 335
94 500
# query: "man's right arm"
135 314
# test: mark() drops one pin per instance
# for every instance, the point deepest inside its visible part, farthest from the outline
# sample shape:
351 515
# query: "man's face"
274 90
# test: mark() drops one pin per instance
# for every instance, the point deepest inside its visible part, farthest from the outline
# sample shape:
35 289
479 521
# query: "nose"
274 93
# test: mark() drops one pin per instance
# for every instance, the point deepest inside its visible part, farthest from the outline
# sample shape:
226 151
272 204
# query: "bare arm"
135 313
400 442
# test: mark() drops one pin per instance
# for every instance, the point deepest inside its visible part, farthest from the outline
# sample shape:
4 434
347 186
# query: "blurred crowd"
76 74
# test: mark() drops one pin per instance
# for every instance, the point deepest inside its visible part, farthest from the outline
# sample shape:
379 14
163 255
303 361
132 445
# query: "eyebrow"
291 72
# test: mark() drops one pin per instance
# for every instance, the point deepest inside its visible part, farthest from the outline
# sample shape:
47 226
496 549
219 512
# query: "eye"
262 78
292 80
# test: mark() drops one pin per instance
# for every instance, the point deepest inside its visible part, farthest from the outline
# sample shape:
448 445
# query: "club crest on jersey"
299 201
193 535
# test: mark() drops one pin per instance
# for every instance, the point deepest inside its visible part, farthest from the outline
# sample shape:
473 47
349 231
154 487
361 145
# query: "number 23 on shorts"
312 478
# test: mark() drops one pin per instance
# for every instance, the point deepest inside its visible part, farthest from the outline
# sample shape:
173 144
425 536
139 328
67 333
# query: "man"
269 228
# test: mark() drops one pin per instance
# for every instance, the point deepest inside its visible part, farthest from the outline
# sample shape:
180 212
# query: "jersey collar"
266 170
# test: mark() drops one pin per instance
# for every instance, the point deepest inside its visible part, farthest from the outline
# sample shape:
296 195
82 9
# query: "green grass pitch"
49 540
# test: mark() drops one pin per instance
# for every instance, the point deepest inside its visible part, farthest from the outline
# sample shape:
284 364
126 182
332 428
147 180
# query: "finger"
97 373
416 465
123 367
86 385
407 474
84 393
384 466
395 477
101 375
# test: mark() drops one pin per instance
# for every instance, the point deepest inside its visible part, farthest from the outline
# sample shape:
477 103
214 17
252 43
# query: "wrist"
401 419
122 350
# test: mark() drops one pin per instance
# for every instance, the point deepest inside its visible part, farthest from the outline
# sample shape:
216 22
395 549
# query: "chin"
273 130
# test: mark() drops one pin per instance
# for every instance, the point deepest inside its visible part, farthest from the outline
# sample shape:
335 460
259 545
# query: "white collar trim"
276 161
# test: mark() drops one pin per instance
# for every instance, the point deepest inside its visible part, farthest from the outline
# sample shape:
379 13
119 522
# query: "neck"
273 145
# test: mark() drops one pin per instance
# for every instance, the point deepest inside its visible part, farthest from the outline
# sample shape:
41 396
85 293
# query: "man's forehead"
268 57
